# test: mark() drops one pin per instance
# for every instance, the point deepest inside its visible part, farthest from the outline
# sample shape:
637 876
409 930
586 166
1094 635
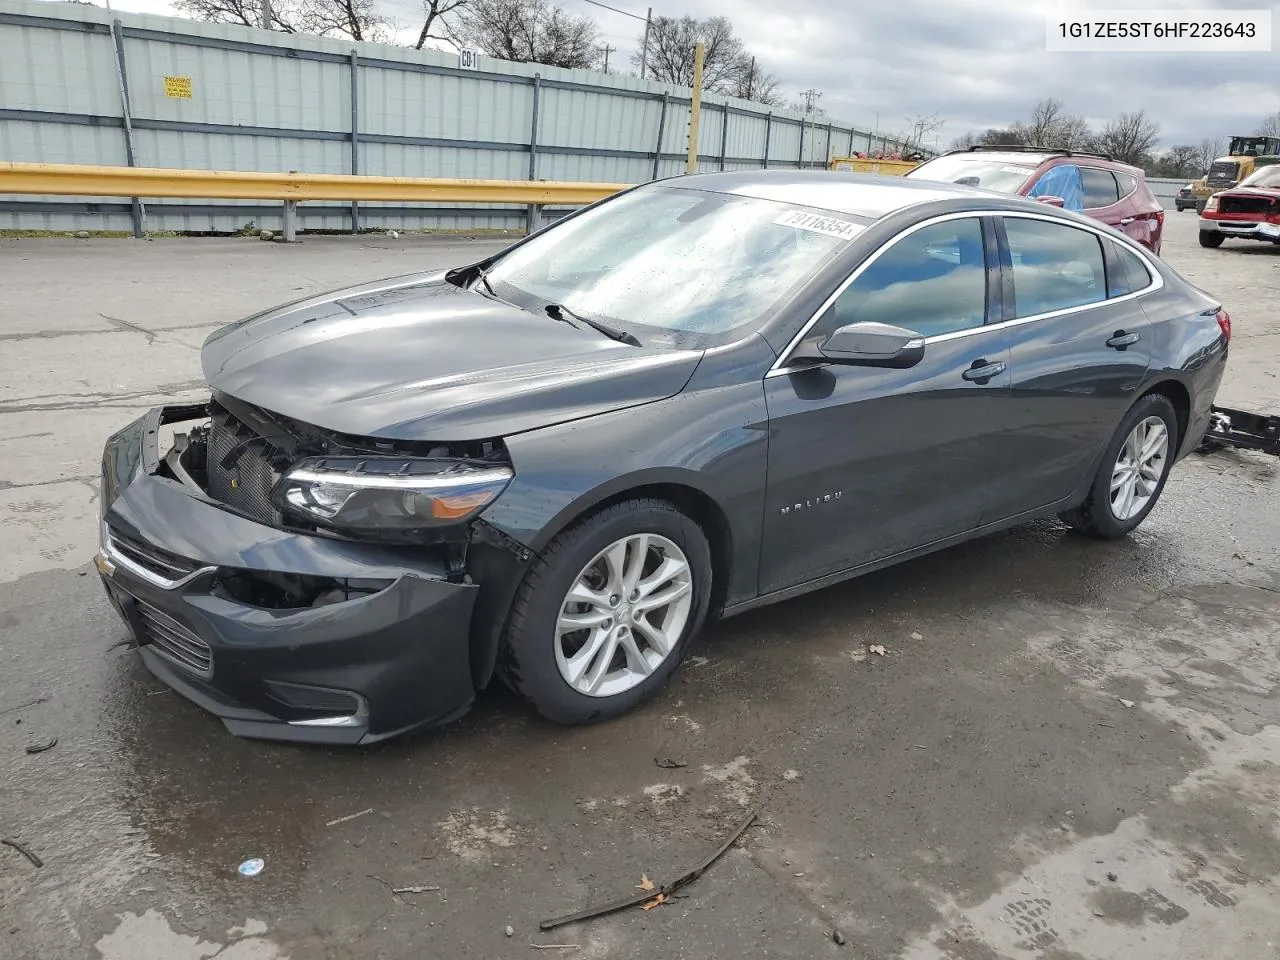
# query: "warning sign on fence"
179 87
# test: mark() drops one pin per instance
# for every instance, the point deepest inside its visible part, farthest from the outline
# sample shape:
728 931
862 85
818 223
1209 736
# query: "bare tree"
964 141
1051 126
529 31
1003 137
671 52
1207 151
353 19
1130 137
1270 125
1179 160
752 83
434 13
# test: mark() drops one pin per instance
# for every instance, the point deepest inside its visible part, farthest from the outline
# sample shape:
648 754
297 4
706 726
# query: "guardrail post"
290 232
533 213
662 129
800 158
768 132
355 135
850 153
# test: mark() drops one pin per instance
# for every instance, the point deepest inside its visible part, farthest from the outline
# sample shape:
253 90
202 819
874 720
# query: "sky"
973 64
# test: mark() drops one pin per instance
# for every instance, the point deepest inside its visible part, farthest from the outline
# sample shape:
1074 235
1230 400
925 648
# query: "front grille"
1258 206
167 637
160 562
240 472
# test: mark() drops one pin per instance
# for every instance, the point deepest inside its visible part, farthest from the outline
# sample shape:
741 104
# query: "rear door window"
1127 183
1055 266
1126 273
1099 188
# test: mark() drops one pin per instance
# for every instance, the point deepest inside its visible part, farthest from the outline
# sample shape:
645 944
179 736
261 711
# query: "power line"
633 16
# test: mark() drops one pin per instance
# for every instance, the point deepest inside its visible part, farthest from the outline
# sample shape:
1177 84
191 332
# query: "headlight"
1211 203
384 494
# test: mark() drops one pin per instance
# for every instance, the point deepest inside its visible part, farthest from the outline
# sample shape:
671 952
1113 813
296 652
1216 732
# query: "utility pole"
266 14
695 107
811 97
607 50
751 80
644 45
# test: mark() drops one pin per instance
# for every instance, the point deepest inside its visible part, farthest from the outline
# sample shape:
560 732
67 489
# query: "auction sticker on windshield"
817 223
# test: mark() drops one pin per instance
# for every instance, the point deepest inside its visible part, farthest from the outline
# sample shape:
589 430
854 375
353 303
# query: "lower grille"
240 472
160 562
167 637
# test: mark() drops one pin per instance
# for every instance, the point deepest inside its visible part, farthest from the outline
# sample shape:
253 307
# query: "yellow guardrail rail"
92 181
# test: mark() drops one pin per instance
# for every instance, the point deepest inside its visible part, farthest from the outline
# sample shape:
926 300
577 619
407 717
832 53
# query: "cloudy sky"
974 63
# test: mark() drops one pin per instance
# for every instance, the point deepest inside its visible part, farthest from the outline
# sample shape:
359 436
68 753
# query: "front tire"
1133 471
1211 238
606 613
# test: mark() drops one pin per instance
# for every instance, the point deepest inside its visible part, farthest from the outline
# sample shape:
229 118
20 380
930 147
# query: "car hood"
418 358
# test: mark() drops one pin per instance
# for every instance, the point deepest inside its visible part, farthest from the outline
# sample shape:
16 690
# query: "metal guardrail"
94 181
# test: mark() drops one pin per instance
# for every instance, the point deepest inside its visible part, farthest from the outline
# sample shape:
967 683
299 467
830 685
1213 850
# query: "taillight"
1160 217
1224 324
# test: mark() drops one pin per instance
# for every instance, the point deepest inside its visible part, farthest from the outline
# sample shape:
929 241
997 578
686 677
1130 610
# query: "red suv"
1090 183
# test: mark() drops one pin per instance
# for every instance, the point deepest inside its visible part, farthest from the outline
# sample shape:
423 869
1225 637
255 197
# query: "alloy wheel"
1138 468
624 615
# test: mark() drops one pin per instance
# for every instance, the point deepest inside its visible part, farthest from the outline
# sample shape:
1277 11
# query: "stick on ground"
665 890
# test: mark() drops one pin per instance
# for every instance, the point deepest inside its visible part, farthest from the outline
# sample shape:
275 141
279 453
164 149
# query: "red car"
1089 183
1250 210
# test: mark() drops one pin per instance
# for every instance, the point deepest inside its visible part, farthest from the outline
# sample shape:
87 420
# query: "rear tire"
1211 238
1105 513
636 552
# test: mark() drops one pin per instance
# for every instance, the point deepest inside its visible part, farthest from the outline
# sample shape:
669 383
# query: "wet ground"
1068 750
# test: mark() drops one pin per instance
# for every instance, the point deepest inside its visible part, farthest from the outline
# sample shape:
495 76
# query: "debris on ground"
915 636
645 883
878 649
22 850
415 889
791 776
42 747
351 816
838 938
662 893
266 235
252 867
1112 877
554 946
23 706
666 763
1125 703
510 931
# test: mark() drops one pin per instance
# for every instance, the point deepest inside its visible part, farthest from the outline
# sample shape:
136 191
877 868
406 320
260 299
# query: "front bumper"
348 672
1244 228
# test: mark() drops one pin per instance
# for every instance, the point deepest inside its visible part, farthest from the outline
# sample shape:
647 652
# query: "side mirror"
869 345
1052 201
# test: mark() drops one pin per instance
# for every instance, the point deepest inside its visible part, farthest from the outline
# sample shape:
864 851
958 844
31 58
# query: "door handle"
981 371
1121 340
1125 220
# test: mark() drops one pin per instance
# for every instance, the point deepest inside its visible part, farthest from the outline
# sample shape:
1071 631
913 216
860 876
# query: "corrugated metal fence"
215 97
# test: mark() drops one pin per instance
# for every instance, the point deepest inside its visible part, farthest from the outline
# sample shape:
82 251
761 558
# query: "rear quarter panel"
1187 347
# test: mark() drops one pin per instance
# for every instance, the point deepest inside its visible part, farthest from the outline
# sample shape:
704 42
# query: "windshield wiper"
558 311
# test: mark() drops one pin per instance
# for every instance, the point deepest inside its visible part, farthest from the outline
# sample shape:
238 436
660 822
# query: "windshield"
988 173
673 266
1253 146
1268 176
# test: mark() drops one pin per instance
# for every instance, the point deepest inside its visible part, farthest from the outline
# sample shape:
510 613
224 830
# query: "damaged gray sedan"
695 397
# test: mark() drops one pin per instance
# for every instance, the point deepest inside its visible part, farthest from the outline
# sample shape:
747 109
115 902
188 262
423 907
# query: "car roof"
863 195
1034 158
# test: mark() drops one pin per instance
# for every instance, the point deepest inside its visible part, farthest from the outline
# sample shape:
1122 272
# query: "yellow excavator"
1244 155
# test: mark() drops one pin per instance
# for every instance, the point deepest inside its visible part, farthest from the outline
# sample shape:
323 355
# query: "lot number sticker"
816 223
178 87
